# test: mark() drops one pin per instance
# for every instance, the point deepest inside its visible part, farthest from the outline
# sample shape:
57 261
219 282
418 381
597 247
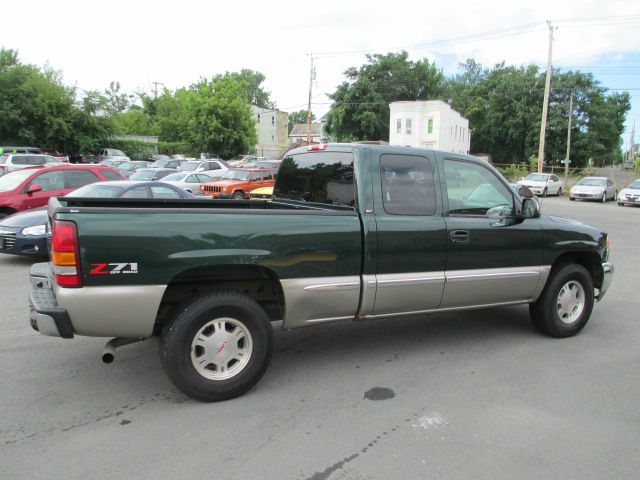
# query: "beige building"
272 127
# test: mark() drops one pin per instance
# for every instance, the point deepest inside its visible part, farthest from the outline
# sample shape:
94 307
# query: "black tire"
604 197
237 196
178 353
545 311
544 192
572 199
560 192
620 204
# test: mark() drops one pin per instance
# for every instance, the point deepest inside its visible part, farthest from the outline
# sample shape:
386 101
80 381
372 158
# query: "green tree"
250 82
8 57
299 117
116 100
360 109
220 119
135 121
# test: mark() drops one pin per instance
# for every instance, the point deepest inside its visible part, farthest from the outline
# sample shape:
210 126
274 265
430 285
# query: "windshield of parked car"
635 184
236 175
143 174
126 166
113 153
97 191
161 163
11 180
175 177
189 166
593 182
536 177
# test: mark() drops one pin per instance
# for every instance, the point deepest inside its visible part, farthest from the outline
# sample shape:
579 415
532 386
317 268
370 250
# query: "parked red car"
32 187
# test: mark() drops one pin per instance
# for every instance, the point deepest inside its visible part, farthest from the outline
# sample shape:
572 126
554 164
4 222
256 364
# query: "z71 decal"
113 268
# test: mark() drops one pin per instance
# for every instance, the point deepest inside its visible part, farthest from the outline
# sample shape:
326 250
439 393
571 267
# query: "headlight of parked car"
35 230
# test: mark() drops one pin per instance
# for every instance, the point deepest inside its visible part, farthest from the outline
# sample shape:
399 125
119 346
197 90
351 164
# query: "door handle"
460 236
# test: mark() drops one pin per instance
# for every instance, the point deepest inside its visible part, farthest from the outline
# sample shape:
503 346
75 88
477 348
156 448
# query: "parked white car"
594 188
542 184
630 195
111 154
10 162
214 168
189 182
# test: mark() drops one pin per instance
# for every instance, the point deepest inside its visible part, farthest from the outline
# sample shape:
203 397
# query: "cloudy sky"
175 43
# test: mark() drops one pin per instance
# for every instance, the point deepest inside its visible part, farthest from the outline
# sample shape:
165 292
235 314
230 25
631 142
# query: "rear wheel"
217 347
566 302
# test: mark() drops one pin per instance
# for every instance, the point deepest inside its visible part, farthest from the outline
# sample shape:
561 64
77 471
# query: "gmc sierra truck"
353 232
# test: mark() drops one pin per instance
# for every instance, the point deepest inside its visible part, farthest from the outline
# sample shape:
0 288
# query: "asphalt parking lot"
473 395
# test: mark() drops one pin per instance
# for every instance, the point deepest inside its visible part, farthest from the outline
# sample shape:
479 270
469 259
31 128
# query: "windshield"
635 184
128 166
113 153
235 175
189 166
11 180
175 177
593 182
536 177
143 175
96 191
161 163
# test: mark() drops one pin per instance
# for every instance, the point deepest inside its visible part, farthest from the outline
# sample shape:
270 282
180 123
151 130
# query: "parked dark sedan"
128 168
151 173
25 233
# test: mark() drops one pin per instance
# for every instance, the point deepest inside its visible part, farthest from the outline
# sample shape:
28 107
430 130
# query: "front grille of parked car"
631 197
212 188
8 240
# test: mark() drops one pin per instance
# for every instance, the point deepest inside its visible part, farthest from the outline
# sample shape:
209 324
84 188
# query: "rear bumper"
45 315
607 278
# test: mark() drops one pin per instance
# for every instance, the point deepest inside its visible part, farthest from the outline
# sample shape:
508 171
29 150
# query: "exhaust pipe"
109 352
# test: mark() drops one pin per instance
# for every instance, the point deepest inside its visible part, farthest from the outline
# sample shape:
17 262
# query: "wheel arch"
591 261
256 282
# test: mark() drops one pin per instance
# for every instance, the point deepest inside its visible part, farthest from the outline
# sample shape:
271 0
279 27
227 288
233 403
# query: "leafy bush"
139 150
514 172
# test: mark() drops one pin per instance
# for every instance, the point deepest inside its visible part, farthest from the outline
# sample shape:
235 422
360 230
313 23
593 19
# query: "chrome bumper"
45 315
607 278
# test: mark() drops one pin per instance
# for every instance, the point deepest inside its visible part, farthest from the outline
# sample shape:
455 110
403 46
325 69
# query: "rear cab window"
322 177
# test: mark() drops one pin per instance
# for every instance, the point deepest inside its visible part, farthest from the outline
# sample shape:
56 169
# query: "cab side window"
473 189
407 185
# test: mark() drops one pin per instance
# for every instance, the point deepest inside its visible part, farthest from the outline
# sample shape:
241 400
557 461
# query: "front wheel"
604 197
544 192
237 196
217 347
560 192
566 302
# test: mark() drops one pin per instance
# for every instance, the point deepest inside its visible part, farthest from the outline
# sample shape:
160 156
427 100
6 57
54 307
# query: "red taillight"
65 255
319 146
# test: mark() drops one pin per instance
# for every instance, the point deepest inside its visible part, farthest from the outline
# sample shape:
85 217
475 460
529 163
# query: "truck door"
489 260
411 234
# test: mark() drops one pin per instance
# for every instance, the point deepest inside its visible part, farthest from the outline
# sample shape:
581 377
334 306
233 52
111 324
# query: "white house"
272 127
429 124
299 133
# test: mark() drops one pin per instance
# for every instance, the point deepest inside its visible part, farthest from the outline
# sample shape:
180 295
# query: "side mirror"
33 188
530 208
499 212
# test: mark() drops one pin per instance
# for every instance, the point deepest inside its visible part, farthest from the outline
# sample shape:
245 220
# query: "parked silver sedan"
630 195
594 188
187 181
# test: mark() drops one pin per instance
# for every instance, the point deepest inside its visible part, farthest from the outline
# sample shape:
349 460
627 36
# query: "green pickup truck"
353 232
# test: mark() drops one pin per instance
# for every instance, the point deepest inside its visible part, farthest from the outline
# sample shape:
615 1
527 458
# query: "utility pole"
312 76
566 158
155 88
545 104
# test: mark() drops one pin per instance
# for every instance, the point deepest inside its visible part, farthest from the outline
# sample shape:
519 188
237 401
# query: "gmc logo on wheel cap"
113 268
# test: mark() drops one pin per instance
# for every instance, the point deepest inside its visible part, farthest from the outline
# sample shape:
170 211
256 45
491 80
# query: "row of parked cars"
601 189
25 191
